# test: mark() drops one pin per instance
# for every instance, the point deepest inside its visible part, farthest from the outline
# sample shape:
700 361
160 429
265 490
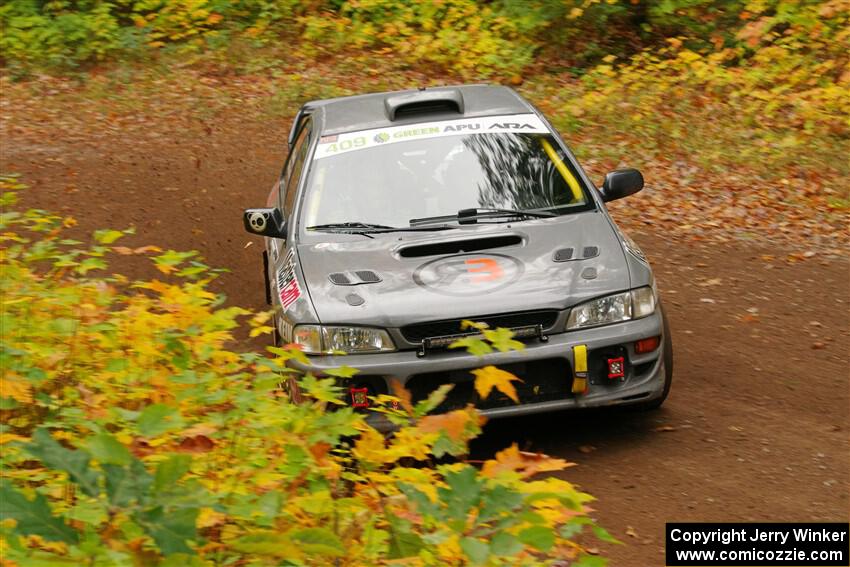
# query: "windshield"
391 176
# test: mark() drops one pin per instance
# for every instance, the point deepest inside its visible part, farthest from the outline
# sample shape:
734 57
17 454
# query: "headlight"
624 306
322 339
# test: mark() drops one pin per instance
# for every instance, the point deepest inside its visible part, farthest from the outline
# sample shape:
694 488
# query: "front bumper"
643 383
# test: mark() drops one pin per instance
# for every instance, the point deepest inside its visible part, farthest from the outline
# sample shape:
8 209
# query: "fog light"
616 367
359 397
647 345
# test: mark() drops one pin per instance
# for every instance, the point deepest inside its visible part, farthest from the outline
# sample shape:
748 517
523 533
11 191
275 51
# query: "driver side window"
294 167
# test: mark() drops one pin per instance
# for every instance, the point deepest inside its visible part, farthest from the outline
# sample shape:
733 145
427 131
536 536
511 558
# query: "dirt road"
757 425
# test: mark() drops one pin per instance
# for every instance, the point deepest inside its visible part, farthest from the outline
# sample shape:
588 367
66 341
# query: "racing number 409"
344 145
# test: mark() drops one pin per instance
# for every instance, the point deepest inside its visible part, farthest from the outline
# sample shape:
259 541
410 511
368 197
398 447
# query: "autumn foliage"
133 434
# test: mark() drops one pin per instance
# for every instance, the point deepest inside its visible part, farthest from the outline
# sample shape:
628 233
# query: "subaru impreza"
398 216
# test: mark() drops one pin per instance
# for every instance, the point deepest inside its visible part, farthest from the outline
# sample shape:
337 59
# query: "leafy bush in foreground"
132 435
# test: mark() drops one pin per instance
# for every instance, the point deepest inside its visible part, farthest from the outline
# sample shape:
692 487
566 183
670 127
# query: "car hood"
396 279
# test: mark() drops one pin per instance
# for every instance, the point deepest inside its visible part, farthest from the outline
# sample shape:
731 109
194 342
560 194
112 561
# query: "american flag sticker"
287 283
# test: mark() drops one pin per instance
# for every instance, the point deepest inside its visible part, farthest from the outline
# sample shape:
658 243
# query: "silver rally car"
399 215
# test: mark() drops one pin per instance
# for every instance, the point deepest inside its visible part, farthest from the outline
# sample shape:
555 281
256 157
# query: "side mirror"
265 222
621 183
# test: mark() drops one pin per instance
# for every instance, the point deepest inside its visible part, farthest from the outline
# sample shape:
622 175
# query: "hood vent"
459 246
563 254
356 277
567 254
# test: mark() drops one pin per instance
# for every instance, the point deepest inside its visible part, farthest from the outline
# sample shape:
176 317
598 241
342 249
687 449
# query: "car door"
279 255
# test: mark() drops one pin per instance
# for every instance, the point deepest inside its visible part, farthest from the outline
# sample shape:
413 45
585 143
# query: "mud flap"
579 369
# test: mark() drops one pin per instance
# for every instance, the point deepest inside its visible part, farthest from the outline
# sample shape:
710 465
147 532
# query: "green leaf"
33 517
107 449
538 537
591 561
170 471
503 340
156 419
107 236
473 345
88 511
266 543
464 489
125 484
434 399
341 372
90 264
504 544
318 541
170 530
603 535
75 463
404 544
475 549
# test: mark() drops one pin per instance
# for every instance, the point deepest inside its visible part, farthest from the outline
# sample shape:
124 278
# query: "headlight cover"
615 308
327 339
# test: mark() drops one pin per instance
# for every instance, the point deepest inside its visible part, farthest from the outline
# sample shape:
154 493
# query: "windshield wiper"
347 225
469 216
366 229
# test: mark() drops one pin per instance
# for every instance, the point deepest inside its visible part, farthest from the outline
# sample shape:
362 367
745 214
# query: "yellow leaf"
16 389
410 442
370 447
525 463
209 517
489 376
9 437
260 330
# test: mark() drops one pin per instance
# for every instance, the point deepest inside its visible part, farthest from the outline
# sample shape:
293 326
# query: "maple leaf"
503 340
525 463
488 377
371 447
453 424
403 395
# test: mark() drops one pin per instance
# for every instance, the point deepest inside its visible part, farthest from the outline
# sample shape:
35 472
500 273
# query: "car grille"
419 331
542 381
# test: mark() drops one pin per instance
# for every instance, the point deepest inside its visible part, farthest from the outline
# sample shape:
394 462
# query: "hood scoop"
567 254
459 246
356 277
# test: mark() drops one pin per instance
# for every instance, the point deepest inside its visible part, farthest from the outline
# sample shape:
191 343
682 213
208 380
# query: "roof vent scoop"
423 102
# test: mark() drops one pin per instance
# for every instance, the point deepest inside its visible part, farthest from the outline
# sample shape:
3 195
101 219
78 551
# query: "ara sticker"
287 284
343 143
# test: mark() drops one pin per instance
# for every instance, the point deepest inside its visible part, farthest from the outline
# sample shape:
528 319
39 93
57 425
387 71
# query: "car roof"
379 110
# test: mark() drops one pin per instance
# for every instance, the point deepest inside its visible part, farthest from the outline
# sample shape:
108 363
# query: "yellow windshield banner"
562 169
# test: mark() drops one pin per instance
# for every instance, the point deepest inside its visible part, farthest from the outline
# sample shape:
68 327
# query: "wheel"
668 366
